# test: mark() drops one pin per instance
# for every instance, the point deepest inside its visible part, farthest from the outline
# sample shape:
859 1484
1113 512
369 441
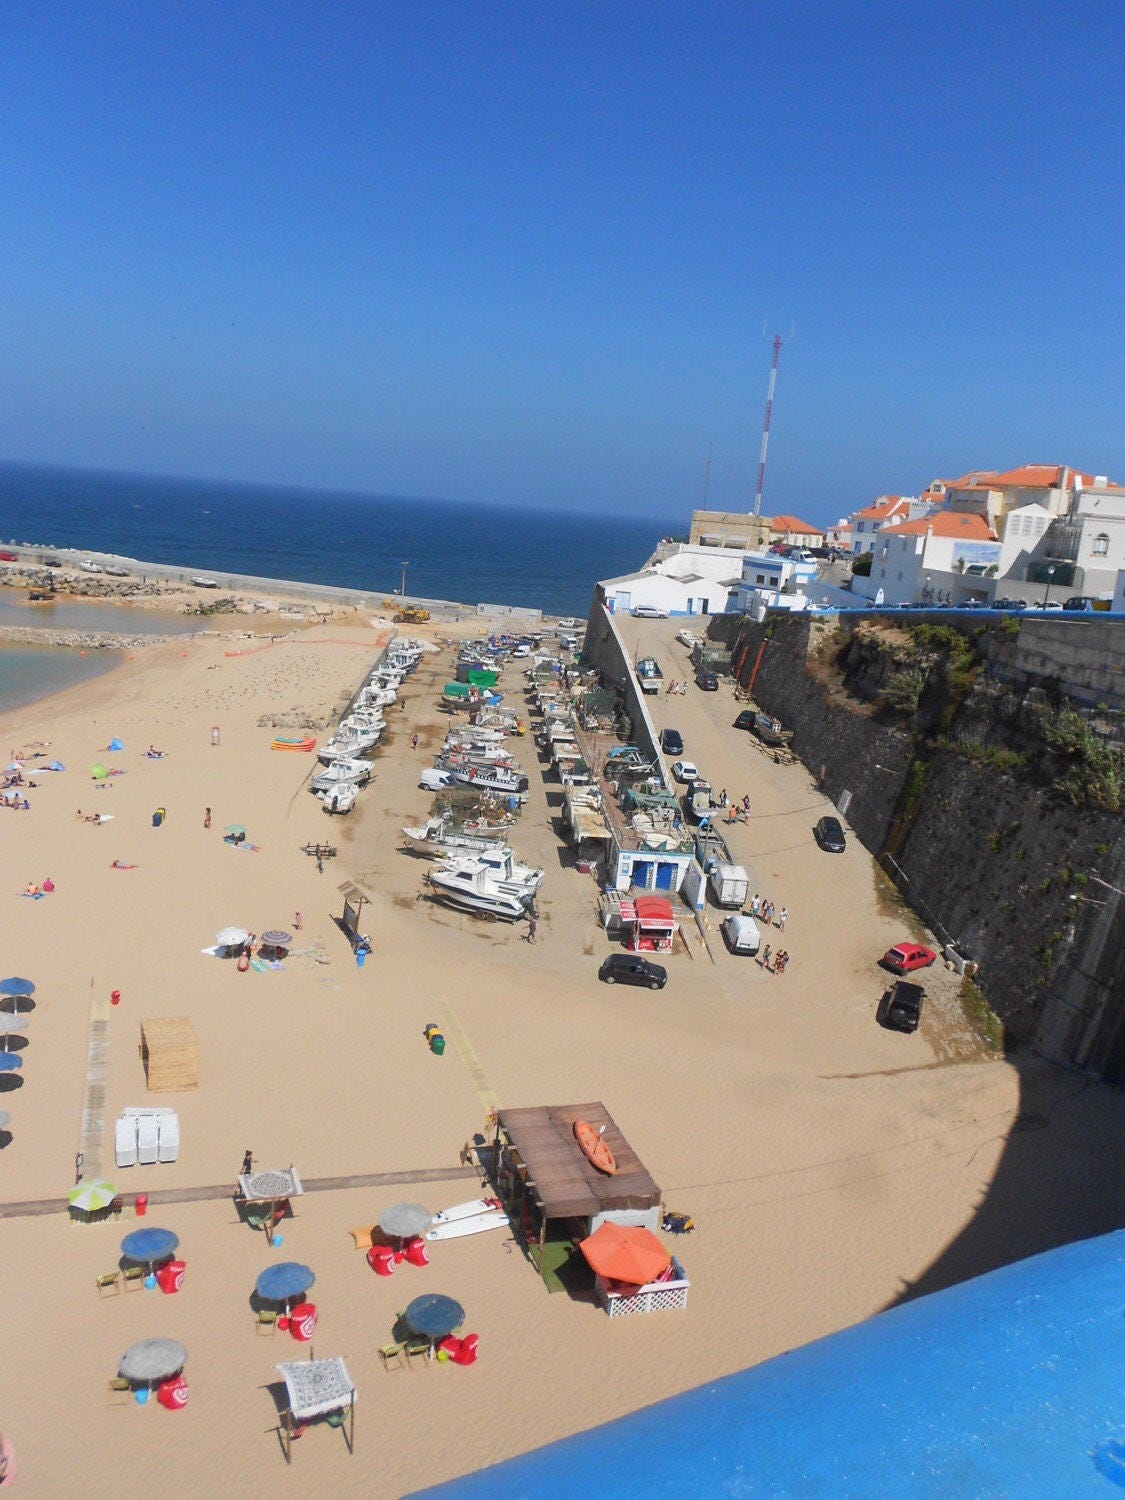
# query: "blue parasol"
433 1316
10 1061
147 1246
283 1282
16 986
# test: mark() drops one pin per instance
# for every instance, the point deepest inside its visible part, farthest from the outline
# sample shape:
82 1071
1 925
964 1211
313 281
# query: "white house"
771 580
887 510
940 558
1023 531
680 579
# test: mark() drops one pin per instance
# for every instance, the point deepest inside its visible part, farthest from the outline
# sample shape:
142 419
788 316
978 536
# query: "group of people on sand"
81 817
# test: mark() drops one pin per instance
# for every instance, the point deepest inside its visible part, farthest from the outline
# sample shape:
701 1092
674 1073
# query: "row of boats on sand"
343 756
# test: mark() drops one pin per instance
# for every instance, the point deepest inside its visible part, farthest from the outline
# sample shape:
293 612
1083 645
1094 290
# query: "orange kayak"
593 1144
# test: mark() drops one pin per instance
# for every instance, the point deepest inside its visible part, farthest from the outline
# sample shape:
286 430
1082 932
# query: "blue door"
665 875
642 873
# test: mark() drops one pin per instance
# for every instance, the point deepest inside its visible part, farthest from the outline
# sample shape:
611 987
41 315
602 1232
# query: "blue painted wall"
1009 1385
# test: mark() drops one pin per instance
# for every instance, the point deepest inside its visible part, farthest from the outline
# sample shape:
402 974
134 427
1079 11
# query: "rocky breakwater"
83 640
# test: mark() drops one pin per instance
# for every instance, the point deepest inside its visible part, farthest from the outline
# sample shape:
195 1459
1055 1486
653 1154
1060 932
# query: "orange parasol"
621 1253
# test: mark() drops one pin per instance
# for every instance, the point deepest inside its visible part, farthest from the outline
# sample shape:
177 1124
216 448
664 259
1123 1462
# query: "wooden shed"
550 1188
170 1054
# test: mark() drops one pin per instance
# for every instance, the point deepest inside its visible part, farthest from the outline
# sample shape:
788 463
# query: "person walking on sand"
532 927
766 957
756 905
783 917
206 817
413 742
780 961
298 921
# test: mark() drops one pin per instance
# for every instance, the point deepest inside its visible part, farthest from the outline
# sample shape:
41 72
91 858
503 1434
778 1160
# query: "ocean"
471 553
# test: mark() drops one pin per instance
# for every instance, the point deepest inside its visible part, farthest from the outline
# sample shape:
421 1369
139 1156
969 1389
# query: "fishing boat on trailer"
339 772
501 873
500 859
437 838
476 890
486 756
769 730
341 799
497 779
347 744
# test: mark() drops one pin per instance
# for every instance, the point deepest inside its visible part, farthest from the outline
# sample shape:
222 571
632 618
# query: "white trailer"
729 885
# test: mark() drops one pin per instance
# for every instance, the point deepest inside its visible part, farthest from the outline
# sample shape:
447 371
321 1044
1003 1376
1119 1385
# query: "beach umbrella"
16 986
10 1024
624 1253
10 1061
404 1220
92 1196
147 1246
235 828
275 938
98 772
433 1315
283 1282
152 1359
231 937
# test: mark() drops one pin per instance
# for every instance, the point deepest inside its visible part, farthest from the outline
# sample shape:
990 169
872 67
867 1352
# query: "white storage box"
169 1136
148 1139
125 1142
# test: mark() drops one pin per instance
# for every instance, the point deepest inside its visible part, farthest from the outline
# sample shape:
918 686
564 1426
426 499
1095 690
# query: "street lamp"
1047 590
402 590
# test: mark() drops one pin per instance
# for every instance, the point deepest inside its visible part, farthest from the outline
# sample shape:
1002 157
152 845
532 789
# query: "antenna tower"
766 425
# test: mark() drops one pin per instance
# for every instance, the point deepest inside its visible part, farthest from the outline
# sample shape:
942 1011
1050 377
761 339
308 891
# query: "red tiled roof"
793 523
886 505
1039 477
953 523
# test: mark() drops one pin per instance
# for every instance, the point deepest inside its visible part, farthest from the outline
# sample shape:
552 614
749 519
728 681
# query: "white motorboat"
347 744
338 772
485 755
472 735
376 697
498 779
437 838
508 873
477 890
341 799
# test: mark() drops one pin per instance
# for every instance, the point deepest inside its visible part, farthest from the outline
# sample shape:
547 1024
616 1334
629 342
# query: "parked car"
205 583
685 770
117 572
630 968
1050 604
745 719
900 1007
829 835
90 567
741 934
649 612
1081 602
672 742
1009 604
9 557
904 958
707 681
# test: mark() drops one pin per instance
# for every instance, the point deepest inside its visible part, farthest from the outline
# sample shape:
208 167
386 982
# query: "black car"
745 719
707 681
672 742
630 968
900 1008
829 835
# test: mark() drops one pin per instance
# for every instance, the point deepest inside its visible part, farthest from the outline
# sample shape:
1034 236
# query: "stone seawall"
1017 878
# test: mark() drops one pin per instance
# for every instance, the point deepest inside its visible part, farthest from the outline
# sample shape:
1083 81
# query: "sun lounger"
148 1139
125 1142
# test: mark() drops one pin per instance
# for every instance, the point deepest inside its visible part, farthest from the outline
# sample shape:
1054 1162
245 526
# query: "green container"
437 1044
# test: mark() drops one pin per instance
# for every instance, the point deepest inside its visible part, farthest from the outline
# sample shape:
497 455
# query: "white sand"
827 1163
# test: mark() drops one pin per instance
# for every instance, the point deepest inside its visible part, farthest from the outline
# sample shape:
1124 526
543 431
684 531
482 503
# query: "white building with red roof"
944 557
887 510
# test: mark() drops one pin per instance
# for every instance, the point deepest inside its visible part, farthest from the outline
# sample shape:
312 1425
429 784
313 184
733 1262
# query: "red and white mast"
766 425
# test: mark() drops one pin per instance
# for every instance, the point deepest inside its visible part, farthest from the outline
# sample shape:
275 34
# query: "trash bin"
170 1278
381 1259
158 817
360 956
437 1044
141 1205
302 1321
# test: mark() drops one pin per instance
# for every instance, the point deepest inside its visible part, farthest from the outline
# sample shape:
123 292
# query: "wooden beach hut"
550 1189
170 1054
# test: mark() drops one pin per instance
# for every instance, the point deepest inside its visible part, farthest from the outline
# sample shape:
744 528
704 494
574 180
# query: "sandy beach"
829 1166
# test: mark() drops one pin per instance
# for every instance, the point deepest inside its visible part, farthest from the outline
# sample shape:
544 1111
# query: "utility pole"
766 424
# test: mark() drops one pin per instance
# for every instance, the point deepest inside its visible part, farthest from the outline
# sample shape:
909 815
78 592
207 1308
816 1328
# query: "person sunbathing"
119 864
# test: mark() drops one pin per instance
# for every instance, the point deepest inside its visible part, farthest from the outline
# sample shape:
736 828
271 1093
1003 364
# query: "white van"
741 934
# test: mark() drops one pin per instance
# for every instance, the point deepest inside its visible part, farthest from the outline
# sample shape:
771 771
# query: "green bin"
437 1044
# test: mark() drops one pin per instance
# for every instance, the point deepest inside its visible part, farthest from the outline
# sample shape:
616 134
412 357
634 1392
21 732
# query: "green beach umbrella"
91 1197
235 828
98 772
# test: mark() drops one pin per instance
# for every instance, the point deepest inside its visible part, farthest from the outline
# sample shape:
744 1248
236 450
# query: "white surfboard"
467 1210
476 1224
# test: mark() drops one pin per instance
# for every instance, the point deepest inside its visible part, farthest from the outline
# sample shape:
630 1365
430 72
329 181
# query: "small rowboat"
286 744
591 1142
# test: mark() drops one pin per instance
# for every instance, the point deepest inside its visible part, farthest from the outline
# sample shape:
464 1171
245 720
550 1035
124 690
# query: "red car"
904 958
9 557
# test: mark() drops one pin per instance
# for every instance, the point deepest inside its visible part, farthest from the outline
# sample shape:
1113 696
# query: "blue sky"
530 252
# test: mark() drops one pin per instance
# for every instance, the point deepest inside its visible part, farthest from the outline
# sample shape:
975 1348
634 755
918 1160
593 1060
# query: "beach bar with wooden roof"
545 1178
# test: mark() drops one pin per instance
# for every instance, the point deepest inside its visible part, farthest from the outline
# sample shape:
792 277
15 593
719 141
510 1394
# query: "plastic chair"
133 1276
467 1353
109 1284
391 1355
120 1391
266 1320
417 1348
